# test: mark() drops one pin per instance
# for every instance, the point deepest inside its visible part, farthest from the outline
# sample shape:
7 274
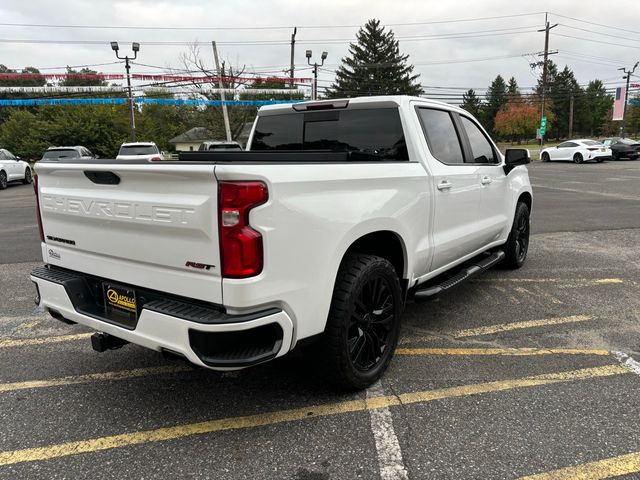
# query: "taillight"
593 149
241 251
155 159
38 216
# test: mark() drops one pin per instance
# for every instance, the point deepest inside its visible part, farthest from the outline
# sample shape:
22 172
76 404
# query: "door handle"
444 185
486 180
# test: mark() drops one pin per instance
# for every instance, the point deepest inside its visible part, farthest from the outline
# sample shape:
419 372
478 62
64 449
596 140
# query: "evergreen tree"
512 87
561 89
496 99
374 66
471 103
598 104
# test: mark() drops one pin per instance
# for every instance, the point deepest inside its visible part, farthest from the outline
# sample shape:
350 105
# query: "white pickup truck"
340 212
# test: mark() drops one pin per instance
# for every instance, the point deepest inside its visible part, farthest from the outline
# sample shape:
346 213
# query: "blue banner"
141 100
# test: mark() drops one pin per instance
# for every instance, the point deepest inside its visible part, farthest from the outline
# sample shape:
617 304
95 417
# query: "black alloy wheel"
363 325
27 176
522 238
517 245
3 180
371 324
577 158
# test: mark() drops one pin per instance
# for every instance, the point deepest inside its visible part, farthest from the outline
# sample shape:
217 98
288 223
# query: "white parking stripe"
628 362
390 459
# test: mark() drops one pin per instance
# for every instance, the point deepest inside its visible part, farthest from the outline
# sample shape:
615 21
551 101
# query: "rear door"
457 189
147 225
493 214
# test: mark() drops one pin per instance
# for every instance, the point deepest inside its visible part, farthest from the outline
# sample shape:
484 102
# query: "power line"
594 23
598 33
597 41
263 27
488 33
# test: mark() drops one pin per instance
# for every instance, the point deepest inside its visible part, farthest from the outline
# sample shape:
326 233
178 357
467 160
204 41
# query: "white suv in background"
139 151
12 168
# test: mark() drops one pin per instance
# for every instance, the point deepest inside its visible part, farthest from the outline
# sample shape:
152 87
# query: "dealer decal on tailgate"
120 298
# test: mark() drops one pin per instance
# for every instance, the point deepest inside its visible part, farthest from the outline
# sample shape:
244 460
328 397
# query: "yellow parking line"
92 377
500 351
607 468
271 418
504 327
24 342
578 282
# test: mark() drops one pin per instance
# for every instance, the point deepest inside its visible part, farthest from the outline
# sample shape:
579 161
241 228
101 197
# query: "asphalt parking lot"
527 373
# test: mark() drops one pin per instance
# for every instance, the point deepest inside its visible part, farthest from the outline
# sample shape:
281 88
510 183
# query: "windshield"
374 131
61 153
627 141
138 150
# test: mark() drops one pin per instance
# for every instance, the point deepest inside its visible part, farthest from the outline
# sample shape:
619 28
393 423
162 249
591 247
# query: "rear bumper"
205 336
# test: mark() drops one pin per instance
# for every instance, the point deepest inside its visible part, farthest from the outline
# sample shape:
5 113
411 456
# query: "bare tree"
232 78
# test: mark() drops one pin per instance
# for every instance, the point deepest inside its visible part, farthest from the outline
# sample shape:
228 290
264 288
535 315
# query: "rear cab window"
138 150
375 132
61 153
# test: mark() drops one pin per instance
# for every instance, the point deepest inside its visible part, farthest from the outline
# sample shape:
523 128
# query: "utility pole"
136 48
628 74
546 54
225 114
293 48
571 116
323 57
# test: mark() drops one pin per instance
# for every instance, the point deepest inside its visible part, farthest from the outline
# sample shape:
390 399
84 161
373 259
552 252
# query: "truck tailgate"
148 225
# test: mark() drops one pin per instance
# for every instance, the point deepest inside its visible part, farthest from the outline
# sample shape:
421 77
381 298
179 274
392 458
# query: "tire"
599 160
363 325
545 157
517 244
577 158
3 180
27 176
615 155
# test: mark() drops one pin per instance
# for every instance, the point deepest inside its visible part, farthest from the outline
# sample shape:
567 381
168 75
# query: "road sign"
543 126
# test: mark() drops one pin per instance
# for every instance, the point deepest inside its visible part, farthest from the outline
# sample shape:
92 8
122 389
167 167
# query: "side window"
567 145
481 148
442 136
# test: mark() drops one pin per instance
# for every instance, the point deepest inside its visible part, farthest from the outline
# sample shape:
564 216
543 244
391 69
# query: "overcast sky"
489 38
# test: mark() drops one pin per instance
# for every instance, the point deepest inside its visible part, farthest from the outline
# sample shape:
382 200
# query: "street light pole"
136 48
628 74
323 57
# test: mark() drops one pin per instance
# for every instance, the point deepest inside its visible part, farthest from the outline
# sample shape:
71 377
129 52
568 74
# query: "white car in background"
12 168
577 151
139 151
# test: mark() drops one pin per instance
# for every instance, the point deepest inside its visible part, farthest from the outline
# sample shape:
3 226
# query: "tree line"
374 65
510 114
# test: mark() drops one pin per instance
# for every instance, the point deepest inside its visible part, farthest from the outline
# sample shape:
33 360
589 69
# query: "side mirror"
18 159
515 157
96 156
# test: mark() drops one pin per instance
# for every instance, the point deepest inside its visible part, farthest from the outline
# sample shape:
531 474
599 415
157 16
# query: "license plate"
120 301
